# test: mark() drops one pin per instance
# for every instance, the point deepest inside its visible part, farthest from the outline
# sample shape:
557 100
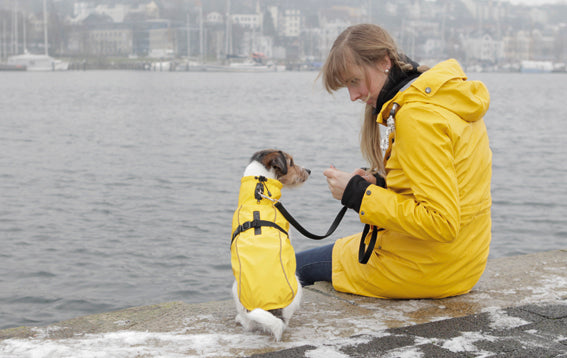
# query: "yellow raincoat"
263 260
436 209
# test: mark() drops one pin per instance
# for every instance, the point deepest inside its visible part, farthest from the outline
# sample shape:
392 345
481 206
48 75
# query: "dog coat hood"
262 258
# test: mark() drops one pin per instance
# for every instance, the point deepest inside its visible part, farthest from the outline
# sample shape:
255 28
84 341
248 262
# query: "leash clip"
267 197
259 194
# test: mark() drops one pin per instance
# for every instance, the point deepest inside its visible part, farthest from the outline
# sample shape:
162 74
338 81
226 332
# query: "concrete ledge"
515 294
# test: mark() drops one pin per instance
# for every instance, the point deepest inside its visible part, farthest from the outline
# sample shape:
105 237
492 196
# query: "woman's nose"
354 95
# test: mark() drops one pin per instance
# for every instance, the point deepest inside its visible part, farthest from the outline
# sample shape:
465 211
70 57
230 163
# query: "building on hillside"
517 46
248 21
290 23
332 22
118 12
214 18
483 49
112 40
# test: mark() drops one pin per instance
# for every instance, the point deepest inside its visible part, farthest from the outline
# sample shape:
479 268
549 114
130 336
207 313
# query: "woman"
428 198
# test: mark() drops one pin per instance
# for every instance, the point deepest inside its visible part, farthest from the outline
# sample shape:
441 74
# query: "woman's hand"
365 175
337 180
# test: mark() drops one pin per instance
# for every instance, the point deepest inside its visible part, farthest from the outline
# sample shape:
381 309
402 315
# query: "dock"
518 309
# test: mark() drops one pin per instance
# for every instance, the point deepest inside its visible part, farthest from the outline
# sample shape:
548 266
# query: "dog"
266 290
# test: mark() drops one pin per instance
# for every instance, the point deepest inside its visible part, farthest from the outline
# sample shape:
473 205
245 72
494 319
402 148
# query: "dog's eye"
291 163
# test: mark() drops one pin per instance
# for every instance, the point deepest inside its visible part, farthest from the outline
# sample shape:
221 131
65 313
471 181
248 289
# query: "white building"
517 46
118 12
214 18
249 21
291 23
110 41
484 49
82 10
274 12
332 22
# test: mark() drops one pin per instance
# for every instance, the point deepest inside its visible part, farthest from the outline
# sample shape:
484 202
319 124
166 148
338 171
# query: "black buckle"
251 224
247 225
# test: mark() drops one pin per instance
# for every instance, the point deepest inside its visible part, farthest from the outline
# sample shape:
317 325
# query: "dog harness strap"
306 233
257 229
256 224
364 253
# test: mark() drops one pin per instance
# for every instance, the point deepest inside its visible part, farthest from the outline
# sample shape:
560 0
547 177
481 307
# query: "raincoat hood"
444 85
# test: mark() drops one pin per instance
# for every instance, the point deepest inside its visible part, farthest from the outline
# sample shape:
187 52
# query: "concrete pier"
518 309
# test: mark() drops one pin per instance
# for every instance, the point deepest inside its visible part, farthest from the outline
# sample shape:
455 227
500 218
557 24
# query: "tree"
269 28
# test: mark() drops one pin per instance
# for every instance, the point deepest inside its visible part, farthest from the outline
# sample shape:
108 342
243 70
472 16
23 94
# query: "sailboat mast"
16 50
188 38
228 39
45 44
201 31
3 45
24 40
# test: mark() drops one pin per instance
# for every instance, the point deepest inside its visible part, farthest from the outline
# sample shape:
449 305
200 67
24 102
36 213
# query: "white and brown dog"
266 290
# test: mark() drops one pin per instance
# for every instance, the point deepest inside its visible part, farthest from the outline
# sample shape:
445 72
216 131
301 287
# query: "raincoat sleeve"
429 210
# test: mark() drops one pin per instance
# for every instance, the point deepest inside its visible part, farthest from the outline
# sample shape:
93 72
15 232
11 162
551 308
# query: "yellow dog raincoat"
262 258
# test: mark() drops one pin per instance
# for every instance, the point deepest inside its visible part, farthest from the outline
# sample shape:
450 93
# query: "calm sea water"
117 188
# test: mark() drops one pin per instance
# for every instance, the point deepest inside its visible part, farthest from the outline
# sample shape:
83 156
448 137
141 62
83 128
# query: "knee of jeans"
304 282
300 273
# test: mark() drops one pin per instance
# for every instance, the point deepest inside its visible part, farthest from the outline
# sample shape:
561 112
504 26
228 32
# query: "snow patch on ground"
501 320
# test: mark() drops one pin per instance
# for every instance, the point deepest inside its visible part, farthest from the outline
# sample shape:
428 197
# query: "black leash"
303 231
364 251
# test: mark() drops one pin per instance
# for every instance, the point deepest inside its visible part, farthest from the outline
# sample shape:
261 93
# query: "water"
118 188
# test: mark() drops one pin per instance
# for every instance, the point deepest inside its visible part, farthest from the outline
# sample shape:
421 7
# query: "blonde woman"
426 201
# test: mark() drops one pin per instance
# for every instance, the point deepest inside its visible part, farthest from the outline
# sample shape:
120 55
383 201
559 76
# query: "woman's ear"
385 64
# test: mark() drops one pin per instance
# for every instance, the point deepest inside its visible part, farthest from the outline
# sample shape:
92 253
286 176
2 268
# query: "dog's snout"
308 171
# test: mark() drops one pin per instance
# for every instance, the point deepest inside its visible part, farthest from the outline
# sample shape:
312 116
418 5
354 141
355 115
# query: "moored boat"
7 67
536 66
33 62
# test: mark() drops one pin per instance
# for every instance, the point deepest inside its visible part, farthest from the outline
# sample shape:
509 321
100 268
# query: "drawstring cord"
259 193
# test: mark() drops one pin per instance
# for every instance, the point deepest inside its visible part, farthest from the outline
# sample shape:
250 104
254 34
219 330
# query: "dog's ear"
276 160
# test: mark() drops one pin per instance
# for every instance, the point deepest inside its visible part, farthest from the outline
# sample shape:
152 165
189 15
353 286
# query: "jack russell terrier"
266 290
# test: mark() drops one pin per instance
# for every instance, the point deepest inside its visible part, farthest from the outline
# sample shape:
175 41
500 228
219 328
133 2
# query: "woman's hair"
360 46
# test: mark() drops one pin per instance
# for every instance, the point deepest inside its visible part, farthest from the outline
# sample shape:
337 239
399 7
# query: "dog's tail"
268 322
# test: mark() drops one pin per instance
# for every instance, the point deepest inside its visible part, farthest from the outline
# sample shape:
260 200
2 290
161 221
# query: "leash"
278 205
302 230
364 251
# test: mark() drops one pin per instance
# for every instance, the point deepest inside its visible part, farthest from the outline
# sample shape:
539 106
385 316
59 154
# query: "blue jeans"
315 265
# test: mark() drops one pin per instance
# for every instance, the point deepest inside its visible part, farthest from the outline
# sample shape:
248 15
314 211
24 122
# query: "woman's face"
365 83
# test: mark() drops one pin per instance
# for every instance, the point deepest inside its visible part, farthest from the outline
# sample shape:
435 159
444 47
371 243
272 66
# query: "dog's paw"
277 332
244 322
